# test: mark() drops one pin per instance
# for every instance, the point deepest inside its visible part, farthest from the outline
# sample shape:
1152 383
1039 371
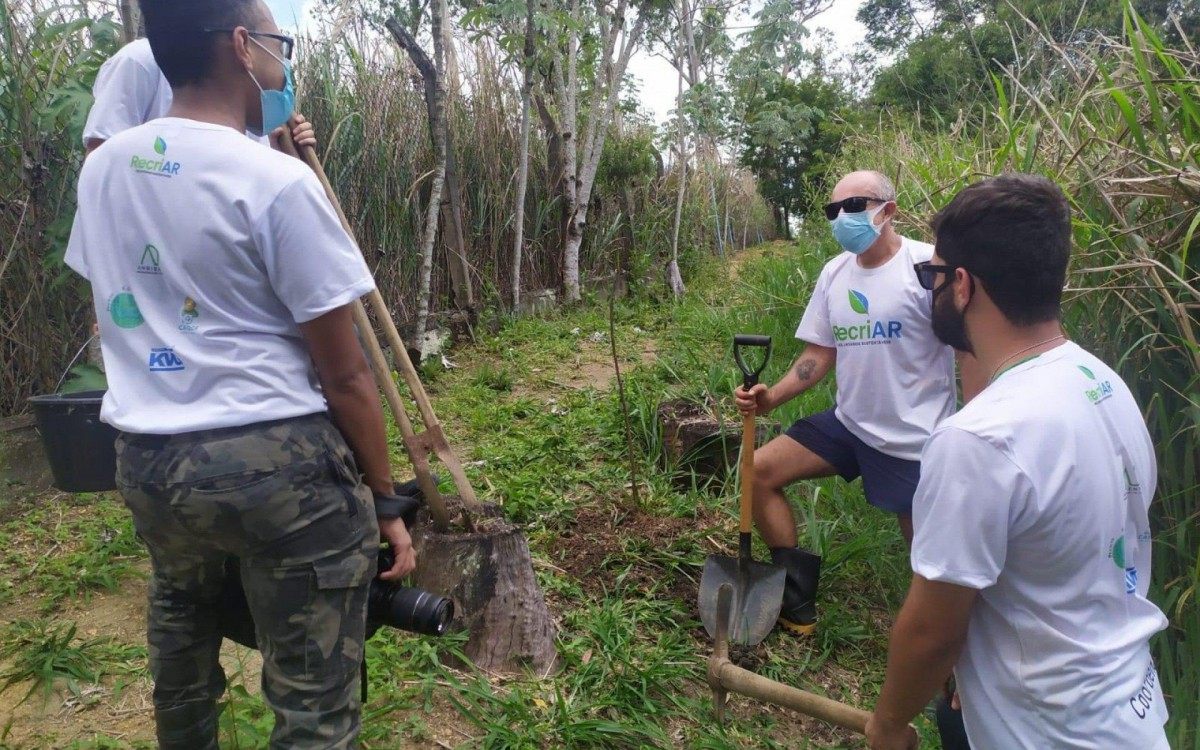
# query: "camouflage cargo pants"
285 499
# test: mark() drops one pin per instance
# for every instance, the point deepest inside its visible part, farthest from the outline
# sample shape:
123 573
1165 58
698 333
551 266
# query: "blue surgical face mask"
277 106
856 232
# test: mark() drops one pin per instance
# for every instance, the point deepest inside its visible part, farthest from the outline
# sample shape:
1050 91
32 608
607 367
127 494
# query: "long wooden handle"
417 452
744 682
747 508
435 436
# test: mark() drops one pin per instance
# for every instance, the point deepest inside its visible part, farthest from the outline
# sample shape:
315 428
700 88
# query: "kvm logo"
160 167
164 359
874 331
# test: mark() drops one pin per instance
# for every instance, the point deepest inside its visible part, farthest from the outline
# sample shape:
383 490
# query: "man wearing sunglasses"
250 424
895 381
1031 561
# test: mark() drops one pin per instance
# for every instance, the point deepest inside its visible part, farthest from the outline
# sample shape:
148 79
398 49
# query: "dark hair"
1014 233
182 48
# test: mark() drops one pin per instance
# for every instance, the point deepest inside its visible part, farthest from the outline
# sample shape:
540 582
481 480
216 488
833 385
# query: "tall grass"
1116 124
370 117
48 58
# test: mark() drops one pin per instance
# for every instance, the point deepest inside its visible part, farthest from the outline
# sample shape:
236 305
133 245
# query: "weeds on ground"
48 654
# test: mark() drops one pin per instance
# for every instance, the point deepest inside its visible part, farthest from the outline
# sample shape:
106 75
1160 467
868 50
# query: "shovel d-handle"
725 677
749 375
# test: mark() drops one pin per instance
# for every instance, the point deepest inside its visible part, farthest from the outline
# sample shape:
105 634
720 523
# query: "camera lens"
407 608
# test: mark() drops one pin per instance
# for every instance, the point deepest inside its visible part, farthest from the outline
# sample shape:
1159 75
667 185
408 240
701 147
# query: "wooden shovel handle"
747 507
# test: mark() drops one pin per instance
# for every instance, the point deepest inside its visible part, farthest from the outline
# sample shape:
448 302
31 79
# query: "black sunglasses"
286 43
927 274
851 205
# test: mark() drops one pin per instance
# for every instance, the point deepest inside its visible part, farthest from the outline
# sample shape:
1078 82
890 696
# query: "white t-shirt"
130 90
1036 493
205 251
895 379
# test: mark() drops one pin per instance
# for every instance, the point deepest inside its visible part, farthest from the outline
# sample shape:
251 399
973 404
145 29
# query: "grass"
65 551
44 654
620 580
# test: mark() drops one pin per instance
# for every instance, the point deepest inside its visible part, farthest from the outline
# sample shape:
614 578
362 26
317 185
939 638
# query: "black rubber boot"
798 615
187 726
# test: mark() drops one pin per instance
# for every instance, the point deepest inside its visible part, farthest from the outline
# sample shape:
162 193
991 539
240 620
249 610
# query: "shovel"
756 589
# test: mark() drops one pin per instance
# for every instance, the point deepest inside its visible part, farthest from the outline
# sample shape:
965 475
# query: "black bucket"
79 447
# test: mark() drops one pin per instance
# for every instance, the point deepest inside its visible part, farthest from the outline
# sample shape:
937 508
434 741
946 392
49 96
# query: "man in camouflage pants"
250 425
284 500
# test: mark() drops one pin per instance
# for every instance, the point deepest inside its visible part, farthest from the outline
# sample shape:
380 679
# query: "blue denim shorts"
888 482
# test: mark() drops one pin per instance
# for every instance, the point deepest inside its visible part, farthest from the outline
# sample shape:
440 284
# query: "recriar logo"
158 167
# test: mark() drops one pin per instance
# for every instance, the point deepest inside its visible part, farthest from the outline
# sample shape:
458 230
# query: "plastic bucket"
79 447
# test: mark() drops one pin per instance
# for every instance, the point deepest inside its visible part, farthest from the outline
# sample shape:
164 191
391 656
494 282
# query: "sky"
656 76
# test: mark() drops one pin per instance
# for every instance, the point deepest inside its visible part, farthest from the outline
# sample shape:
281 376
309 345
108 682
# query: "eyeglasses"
851 205
927 274
286 43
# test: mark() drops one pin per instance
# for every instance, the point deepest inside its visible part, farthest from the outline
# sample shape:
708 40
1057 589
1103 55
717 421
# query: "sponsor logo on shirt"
150 165
1116 553
189 315
1143 699
1131 580
870 332
1101 391
123 309
149 262
164 359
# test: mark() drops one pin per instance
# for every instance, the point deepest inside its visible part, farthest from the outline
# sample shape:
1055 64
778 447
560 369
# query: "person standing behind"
130 89
1031 561
895 381
250 424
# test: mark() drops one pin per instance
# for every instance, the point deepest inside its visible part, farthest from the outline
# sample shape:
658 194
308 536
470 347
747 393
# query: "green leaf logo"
160 146
1086 371
1118 552
858 302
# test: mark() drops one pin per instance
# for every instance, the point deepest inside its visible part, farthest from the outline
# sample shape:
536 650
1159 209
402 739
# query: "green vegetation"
1116 124
44 653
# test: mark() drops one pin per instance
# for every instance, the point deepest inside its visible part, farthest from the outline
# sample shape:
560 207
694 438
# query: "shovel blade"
757 596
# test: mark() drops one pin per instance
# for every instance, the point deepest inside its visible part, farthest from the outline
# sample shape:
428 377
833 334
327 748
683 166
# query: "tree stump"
699 447
497 600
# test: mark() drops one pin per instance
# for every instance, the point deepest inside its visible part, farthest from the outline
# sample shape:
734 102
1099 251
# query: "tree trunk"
452 210
439 130
717 230
625 259
129 21
490 577
523 174
581 172
435 97
674 278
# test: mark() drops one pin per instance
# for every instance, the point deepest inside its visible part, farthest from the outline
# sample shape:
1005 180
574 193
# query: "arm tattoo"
804 369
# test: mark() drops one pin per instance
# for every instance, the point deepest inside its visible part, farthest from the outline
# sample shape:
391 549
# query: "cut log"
497 600
697 447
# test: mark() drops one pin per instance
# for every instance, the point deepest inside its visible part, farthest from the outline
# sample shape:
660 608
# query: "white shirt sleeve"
124 93
313 265
966 500
74 256
814 326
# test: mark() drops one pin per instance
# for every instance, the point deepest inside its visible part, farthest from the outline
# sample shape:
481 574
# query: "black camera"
405 607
